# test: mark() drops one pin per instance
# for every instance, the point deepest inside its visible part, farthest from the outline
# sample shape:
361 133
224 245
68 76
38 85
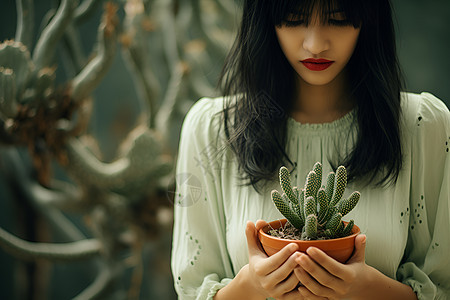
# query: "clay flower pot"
340 249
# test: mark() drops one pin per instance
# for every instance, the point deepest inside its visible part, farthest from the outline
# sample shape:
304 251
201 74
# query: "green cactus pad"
285 199
312 184
340 183
285 182
296 208
346 205
296 194
322 201
310 206
340 229
301 202
330 186
326 217
348 228
334 222
311 227
327 233
282 206
293 206
285 209
316 211
318 170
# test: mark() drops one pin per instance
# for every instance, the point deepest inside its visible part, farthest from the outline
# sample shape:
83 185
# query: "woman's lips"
317 64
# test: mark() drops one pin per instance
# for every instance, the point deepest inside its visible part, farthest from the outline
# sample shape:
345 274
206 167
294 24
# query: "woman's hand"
322 276
271 276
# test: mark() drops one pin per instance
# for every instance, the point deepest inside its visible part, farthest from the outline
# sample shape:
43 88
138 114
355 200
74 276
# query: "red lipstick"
317 64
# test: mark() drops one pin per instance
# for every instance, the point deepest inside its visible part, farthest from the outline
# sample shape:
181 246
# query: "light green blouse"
407 224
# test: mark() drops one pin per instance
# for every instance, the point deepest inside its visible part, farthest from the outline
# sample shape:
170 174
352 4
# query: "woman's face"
318 52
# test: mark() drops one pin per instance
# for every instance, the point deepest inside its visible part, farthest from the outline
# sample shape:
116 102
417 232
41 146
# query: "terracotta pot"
340 249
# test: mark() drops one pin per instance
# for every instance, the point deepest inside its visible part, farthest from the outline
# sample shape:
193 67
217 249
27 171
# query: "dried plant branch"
85 82
100 284
212 43
72 45
8 105
172 98
54 252
42 199
170 35
44 51
173 59
62 195
85 10
25 22
135 41
142 161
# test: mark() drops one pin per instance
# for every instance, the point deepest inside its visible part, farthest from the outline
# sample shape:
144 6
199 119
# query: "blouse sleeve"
426 263
200 261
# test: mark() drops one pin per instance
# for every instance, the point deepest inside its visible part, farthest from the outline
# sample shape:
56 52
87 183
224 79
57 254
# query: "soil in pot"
340 249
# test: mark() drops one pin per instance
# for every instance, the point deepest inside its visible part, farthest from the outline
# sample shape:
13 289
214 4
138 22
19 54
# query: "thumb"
260 224
253 244
360 248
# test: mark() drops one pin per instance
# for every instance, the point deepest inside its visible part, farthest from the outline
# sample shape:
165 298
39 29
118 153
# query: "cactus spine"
316 210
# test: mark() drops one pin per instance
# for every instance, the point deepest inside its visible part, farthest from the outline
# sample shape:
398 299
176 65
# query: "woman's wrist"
380 286
241 287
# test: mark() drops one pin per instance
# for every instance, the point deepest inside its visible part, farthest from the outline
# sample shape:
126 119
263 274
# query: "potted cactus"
313 215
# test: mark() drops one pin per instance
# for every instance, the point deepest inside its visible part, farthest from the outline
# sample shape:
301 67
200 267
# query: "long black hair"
258 84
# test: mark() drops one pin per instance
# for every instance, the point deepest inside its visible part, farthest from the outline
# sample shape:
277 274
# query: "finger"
313 288
285 270
275 261
292 295
321 275
331 265
260 224
253 244
306 294
359 255
287 285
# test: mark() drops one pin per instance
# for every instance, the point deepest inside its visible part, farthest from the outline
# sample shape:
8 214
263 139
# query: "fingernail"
364 239
311 250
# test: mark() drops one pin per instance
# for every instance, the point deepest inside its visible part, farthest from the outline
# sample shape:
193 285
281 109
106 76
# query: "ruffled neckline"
342 123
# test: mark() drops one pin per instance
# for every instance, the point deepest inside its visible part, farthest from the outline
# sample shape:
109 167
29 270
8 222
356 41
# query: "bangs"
353 10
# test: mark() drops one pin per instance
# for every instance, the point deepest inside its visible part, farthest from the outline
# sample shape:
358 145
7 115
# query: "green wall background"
423 38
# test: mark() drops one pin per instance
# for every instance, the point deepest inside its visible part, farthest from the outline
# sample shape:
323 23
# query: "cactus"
316 211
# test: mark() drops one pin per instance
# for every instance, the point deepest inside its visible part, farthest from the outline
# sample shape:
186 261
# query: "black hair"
258 84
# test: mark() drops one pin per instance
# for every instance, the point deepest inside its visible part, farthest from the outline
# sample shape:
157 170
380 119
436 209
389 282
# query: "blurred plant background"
92 96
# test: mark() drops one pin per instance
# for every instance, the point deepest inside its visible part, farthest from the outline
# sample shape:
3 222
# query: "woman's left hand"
322 276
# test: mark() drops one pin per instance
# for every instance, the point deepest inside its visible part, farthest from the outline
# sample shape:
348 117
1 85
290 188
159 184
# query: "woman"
311 81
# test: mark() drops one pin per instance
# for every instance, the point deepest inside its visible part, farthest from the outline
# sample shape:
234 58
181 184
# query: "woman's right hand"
271 276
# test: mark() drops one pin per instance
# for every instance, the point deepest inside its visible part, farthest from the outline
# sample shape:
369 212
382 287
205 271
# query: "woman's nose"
316 40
